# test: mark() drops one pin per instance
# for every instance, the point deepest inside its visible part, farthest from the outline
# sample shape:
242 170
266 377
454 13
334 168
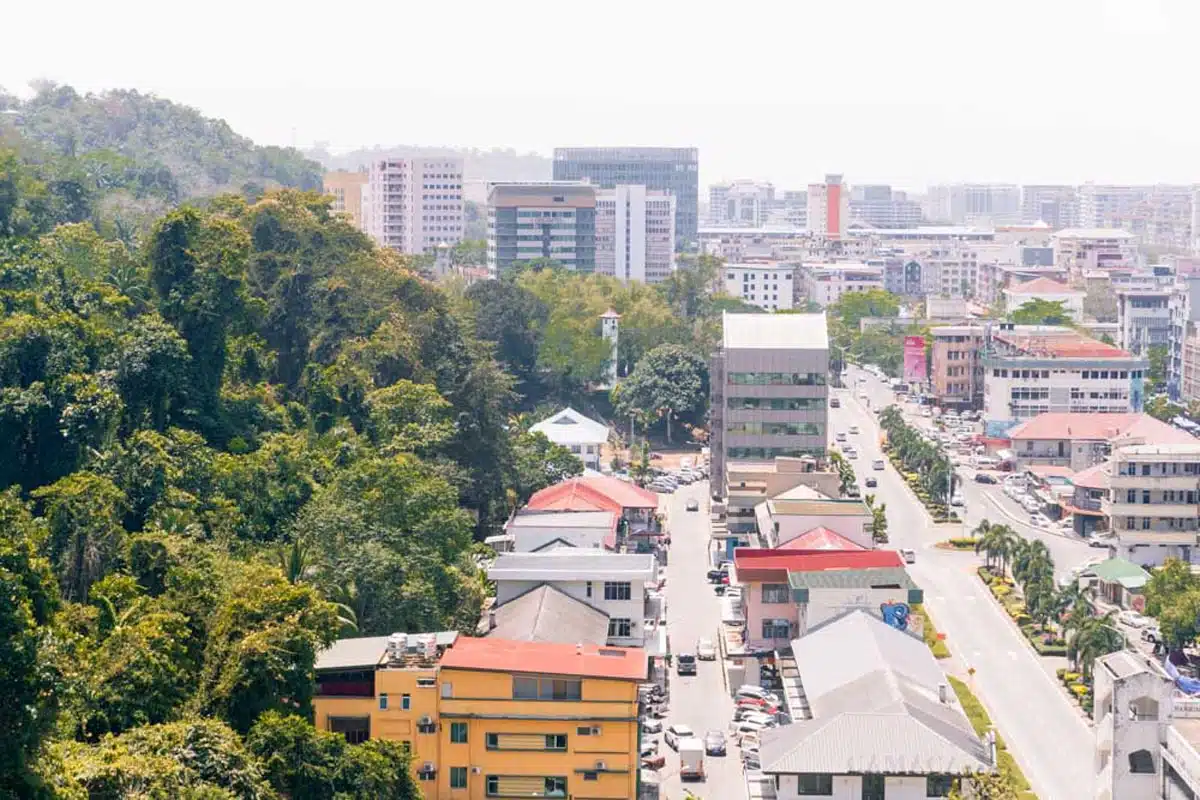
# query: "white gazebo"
579 434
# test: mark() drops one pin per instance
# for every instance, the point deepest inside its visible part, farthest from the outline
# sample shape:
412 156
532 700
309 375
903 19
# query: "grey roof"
562 519
367 651
871 687
852 578
572 563
775 331
547 614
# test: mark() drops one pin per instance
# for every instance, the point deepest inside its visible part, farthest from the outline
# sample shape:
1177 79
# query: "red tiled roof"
820 539
1042 286
550 658
597 493
756 564
1060 344
1098 427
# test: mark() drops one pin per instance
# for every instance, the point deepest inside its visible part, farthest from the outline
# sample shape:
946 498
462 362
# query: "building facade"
768 286
1184 310
1083 249
880 206
412 205
1143 319
528 221
635 234
346 189
1154 508
1057 206
581 435
1159 215
978 204
675 170
824 284
769 389
741 203
957 365
1048 291
828 208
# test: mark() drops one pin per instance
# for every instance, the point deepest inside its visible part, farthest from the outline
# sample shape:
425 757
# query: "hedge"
930 633
982 723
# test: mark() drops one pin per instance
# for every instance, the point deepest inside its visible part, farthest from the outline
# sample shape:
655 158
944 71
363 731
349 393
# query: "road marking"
1012 654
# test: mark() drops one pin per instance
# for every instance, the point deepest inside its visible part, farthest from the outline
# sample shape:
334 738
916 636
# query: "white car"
652 726
1133 619
853 429
759 717
739 730
750 690
705 650
676 733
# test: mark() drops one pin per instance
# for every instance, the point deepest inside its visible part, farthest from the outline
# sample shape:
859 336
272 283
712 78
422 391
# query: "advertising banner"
914 359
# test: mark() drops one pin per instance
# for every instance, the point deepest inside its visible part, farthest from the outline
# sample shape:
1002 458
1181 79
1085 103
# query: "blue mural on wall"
896 615
1137 394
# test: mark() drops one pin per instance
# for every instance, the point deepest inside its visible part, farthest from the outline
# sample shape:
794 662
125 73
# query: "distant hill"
204 156
497 164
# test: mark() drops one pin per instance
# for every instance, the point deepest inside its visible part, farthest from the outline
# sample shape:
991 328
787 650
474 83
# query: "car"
676 733
1151 634
835 403
956 500
851 452
743 727
685 664
1099 541
853 430
909 556
715 575
760 717
654 761
871 483
852 491
705 650
877 464
754 704
750 690
693 505
714 743
1132 618
757 776
652 726
983 477
750 760
649 747
748 712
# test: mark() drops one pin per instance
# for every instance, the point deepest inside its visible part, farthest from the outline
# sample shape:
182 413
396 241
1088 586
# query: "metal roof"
775 331
572 563
368 651
531 518
852 578
547 614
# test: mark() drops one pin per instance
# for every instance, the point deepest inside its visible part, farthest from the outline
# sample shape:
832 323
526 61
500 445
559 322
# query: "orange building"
347 190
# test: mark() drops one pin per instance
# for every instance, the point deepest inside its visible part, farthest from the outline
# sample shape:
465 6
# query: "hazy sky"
906 91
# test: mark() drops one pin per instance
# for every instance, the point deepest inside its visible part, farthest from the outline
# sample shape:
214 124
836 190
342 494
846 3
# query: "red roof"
1060 344
1042 286
1098 427
756 565
1096 477
549 658
820 539
596 493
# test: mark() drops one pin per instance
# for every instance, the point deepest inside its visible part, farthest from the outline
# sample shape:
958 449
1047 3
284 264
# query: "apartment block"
1083 249
635 234
346 188
880 206
1057 206
769 389
1184 310
489 717
1080 441
412 205
977 204
1155 502
675 170
768 286
528 221
1143 319
828 208
741 203
1034 369
1159 215
824 284
957 373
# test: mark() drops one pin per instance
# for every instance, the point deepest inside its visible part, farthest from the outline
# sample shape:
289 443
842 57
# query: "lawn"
938 646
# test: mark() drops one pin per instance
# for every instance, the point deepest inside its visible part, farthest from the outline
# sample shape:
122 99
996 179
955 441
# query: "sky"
909 92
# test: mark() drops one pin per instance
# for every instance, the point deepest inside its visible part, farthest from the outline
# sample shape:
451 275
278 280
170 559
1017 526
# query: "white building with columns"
635 234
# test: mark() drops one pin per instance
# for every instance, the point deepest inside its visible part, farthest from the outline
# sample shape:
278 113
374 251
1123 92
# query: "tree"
1156 378
668 382
153 367
985 786
999 543
879 523
1094 637
1167 583
1163 409
83 513
853 307
1178 618
515 319
538 463
1041 312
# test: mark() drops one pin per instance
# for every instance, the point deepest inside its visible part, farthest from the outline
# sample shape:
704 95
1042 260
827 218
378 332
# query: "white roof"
531 518
569 563
571 427
776 331
1093 233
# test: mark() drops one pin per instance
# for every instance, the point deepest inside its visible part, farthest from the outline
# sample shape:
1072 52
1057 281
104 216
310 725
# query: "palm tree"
350 606
998 543
879 523
981 529
1032 563
1097 636
296 562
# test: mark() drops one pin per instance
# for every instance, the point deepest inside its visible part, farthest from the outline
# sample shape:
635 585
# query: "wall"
825 604
756 611
632 609
852 527
527 540
849 787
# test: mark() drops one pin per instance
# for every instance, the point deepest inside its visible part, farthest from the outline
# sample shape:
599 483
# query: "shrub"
1078 689
1061 672
1069 677
1000 590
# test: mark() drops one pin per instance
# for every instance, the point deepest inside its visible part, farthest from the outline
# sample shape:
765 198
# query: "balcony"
1157 482
1152 510
1182 756
1168 537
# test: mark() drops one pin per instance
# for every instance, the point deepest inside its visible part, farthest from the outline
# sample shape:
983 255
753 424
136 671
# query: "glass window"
776 629
405 702
617 590
458 777
938 785
620 627
556 741
458 733
814 784
383 702
775 593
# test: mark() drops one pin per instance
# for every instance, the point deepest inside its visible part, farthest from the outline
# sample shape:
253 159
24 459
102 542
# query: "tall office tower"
668 169
880 207
635 234
828 208
980 204
1057 206
553 220
414 204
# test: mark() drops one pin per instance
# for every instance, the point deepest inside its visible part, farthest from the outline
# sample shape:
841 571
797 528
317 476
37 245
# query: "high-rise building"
980 204
669 169
1159 215
346 188
1057 206
635 234
828 208
414 204
769 392
1184 308
741 203
879 206
553 220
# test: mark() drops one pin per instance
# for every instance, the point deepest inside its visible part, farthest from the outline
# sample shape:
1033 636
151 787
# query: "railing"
1182 756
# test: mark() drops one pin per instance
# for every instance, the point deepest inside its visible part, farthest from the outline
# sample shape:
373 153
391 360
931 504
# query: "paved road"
1044 731
702 701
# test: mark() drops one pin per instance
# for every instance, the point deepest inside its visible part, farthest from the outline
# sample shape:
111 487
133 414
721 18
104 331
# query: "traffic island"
962 544
982 723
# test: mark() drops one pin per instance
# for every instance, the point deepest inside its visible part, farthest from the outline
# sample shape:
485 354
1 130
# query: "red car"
755 702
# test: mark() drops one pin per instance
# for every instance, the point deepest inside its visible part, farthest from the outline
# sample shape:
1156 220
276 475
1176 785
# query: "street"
701 701
1044 731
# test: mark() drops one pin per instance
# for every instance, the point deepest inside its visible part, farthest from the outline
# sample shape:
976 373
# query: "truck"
691 760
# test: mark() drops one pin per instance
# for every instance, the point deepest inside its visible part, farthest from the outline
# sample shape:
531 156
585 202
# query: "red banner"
914 359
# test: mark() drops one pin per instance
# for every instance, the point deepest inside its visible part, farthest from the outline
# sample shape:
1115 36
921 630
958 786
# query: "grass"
982 723
938 646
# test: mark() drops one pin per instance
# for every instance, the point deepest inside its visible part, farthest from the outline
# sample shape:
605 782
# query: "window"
586 730
775 593
383 702
556 741
814 784
426 683
447 690
525 786
873 787
1141 762
588 589
620 627
532 687
405 702
938 785
356 730
458 733
619 590
591 776
458 777
776 629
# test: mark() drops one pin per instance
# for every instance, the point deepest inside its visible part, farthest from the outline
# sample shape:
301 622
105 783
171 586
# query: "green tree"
1094 637
879 522
1163 409
83 513
515 319
538 463
1167 583
153 366
1156 378
668 382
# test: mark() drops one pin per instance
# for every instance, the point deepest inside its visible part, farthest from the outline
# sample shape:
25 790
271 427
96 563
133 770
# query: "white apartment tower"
414 204
635 233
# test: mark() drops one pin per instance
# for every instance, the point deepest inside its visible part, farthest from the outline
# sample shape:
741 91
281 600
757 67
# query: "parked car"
983 477
750 690
715 575
1133 619
871 483
956 500
649 747
1099 541
714 743
853 429
654 761
750 760
743 727
706 650
677 733
851 452
840 436
762 718
693 505
652 726
835 402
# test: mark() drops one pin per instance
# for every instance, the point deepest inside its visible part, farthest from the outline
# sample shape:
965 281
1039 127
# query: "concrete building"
748 484
882 207
793 513
635 234
768 286
534 530
528 221
957 371
1057 206
982 204
412 205
881 720
769 391
741 203
1030 370
675 170
1132 712
1158 216
614 583
346 188
1155 502
582 436
824 284
828 208
1083 249
1184 310
1047 290
636 508
1144 319
1080 441
992 278
946 309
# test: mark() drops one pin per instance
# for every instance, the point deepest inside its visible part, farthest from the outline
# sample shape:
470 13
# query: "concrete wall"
849 787
592 593
855 528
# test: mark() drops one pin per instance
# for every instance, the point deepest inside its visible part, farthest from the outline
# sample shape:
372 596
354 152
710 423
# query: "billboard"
914 359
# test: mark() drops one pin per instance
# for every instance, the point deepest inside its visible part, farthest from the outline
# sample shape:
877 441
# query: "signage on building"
914 359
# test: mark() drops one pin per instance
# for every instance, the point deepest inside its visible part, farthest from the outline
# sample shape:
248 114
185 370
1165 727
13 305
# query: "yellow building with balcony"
492 718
